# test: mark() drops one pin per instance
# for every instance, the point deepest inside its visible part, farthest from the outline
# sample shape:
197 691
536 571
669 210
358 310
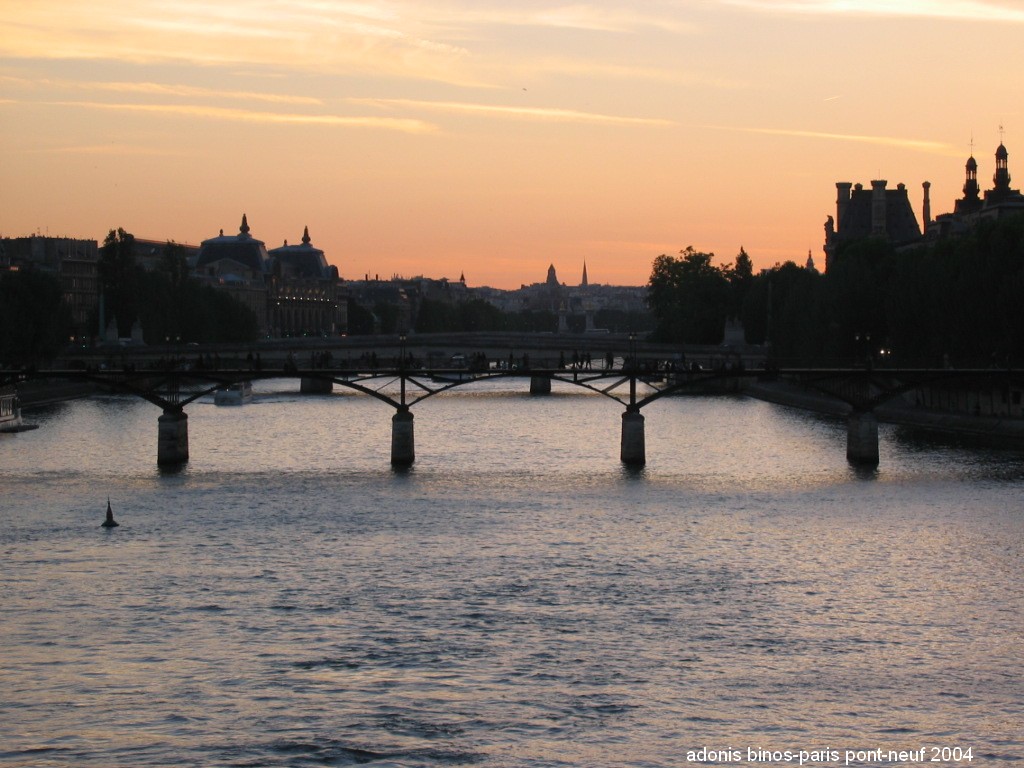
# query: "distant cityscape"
293 291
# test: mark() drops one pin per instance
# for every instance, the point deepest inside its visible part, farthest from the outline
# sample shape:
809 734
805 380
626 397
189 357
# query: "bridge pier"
540 385
633 451
172 438
403 446
308 386
862 439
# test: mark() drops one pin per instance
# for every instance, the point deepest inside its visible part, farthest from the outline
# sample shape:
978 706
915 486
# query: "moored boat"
10 413
238 393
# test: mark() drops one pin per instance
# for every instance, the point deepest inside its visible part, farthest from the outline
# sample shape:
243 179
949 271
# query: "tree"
119 280
360 320
855 291
741 277
34 320
689 298
174 306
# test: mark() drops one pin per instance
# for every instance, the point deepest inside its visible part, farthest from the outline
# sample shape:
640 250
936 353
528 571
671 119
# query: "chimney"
878 207
926 210
842 201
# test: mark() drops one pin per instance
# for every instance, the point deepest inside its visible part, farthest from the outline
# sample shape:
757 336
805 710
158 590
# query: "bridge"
634 380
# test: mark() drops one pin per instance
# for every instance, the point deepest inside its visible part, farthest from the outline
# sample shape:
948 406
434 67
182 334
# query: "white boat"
10 413
236 394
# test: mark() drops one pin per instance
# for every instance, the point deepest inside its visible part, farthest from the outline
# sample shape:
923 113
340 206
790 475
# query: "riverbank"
34 394
1005 431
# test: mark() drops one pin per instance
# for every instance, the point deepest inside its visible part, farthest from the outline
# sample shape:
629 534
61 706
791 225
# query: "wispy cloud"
589 68
516 112
920 145
434 40
159 89
959 10
406 125
118 150
579 16
296 36
190 91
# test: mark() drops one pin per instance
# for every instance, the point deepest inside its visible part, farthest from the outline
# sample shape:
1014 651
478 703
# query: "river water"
517 598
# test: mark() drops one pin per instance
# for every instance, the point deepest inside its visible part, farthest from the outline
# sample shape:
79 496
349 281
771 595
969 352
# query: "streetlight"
863 342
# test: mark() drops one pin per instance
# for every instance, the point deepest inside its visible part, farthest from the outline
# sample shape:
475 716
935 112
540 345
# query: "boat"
238 393
457 372
10 413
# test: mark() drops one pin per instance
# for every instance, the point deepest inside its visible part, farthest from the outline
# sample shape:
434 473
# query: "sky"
492 138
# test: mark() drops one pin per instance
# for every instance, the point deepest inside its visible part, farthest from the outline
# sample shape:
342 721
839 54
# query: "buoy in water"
110 522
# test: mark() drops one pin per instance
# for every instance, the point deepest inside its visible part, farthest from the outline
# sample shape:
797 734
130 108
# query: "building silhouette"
886 213
72 261
996 203
877 212
291 290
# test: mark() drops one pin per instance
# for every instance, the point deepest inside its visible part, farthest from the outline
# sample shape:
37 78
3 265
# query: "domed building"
292 290
238 264
303 292
241 254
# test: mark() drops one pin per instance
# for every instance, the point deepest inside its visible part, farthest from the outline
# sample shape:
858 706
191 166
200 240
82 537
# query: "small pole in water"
110 522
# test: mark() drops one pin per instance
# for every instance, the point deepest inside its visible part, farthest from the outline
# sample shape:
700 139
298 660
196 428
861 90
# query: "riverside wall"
1005 430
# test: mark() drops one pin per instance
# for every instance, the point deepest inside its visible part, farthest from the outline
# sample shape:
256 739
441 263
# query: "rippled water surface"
517 598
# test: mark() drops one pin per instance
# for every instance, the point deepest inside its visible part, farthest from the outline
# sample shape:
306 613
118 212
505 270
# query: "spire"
462 278
971 201
584 282
305 235
244 229
552 276
971 184
1002 175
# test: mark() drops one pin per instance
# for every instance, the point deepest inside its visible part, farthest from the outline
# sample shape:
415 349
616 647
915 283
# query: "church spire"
584 283
244 229
305 235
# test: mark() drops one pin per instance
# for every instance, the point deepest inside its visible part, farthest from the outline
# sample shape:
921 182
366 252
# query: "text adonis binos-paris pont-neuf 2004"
924 754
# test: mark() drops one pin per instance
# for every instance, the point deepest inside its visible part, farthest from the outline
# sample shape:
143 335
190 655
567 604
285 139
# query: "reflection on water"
516 598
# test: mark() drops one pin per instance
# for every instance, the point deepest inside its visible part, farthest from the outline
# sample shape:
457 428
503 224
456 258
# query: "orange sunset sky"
496 137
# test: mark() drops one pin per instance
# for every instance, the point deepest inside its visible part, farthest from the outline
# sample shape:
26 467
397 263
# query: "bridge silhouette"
633 382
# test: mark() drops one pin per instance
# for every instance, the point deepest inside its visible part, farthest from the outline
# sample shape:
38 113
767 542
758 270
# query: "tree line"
168 303
958 301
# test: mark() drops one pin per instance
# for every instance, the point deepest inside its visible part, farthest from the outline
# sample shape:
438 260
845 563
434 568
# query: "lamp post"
863 342
632 368
401 366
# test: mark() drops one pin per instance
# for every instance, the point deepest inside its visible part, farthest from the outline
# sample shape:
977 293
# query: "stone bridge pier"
403 444
633 451
172 437
540 385
862 438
